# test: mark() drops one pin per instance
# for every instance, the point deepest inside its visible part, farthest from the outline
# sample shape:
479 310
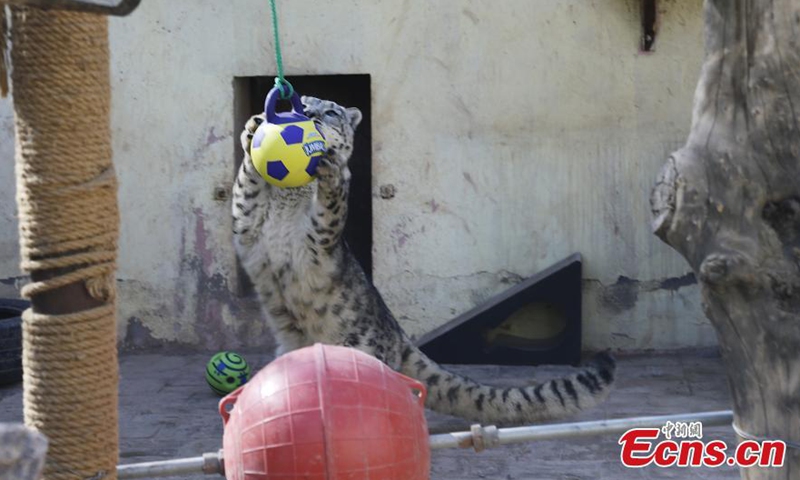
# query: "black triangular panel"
466 338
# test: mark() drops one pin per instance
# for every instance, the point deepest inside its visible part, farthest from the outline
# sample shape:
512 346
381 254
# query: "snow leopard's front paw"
249 130
329 170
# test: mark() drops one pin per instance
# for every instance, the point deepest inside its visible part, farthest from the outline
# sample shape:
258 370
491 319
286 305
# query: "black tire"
11 340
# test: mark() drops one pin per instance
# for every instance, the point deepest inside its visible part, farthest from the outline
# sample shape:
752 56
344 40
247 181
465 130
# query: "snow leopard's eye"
332 113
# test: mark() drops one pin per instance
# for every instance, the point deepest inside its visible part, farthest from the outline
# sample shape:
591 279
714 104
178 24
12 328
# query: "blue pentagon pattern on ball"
311 169
292 135
277 170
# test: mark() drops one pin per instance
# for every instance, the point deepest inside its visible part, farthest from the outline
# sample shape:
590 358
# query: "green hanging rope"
284 87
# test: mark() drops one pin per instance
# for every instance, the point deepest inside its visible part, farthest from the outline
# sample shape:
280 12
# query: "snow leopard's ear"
355 116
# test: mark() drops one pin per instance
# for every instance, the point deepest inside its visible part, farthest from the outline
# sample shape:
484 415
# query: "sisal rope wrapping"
68 223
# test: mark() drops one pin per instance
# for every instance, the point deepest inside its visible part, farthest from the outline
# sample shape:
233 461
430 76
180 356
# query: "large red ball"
326 412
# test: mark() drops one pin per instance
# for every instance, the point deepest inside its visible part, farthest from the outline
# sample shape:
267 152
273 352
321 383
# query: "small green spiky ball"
227 371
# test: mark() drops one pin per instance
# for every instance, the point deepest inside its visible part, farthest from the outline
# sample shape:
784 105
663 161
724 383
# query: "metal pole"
504 436
209 464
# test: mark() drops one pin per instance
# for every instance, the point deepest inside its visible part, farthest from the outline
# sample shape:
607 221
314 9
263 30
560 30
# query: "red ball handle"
227 401
415 386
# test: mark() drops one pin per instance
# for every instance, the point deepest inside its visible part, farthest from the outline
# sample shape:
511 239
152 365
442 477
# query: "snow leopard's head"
335 122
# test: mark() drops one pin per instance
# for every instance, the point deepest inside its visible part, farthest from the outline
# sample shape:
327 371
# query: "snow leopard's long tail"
454 394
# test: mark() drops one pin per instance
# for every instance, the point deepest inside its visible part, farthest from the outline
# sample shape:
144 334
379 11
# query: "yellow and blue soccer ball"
286 148
227 371
287 155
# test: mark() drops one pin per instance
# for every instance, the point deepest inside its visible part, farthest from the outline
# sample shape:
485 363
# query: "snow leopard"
313 290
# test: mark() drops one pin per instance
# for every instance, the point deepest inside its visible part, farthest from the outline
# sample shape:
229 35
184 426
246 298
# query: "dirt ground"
167 411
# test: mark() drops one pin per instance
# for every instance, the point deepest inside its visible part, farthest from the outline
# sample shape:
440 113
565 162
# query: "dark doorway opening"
346 90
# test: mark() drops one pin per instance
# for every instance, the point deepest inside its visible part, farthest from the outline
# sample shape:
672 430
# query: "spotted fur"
313 290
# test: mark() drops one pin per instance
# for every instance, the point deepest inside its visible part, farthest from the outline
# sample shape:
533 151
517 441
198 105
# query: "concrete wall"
515 133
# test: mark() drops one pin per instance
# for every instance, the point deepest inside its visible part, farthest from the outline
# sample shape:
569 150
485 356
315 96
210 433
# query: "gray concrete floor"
167 411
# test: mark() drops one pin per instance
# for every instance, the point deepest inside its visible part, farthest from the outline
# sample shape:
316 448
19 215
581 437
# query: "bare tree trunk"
729 202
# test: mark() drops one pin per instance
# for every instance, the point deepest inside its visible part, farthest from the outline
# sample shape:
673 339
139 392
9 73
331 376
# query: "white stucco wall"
515 133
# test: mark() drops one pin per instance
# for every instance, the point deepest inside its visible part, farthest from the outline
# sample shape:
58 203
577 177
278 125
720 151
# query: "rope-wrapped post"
68 224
